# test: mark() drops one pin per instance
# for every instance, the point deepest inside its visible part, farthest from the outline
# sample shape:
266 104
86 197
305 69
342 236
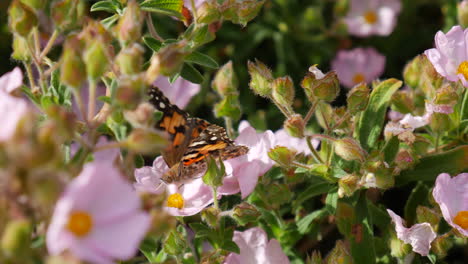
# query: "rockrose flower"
179 92
98 218
372 17
419 236
452 196
450 56
359 65
255 248
11 81
282 138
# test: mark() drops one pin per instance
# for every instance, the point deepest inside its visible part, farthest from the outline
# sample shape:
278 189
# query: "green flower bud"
462 13
67 14
142 116
348 185
96 59
412 72
175 244
225 80
322 87
404 159
358 98
442 244
144 141
16 238
168 61
211 216
247 10
72 67
446 95
131 91
20 49
426 214
295 126
349 149
129 26
402 102
339 254
64 120
398 248
283 156
245 213
283 91
315 258
22 18
441 122
208 12
229 107
130 59
215 173
35 4
261 78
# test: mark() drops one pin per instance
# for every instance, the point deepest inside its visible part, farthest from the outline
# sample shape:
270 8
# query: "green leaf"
201 230
331 202
152 43
453 162
202 59
417 197
148 248
390 149
372 119
379 215
304 223
166 7
105 99
231 246
361 239
191 74
317 188
108 22
108 6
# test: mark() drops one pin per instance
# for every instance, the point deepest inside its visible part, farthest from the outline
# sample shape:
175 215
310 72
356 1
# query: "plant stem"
194 11
215 197
91 100
151 28
229 128
310 113
49 45
313 150
30 76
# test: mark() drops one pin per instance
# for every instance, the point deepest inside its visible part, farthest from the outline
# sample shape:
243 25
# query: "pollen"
80 223
461 219
370 17
463 69
175 200
359 78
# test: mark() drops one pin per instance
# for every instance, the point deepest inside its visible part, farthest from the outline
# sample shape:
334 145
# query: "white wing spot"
213 138
162 105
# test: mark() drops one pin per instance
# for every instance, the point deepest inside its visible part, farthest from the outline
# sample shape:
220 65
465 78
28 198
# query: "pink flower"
98 218
372 17
452 196
248 168
299 144
188 3
450 57
420 236
358 65
190 199
180 92
255 248
11 81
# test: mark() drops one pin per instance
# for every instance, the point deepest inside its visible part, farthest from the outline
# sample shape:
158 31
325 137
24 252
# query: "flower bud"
398 248
283 156
358 98
129 26
145 141
349 149
319 86
72 67
283 91
381 175
441 245
96 59
22 18
402 102
208 12
67 14
131 91
412 72
130 59
404 159
247 10
446 95
175 243
229 107
142 116
348 185
168 61
245 213
295 126
441 123
215 173
211 216
225 81
462 13
16 238
426 214
261 78
339 254
64 120
20 49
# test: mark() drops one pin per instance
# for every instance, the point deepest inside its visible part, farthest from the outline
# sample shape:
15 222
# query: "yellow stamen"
461 219
359 78
80 223
463 69
175 200
370 17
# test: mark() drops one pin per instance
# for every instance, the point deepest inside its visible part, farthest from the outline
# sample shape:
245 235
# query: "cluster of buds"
225 84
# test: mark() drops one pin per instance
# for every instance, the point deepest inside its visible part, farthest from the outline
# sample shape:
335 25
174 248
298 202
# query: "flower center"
359 78
80 223
175 200
461 219
370 17
463 69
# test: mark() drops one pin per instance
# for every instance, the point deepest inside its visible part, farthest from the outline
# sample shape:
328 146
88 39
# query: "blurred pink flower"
248 168
359 65
282 138
450 57
452 196
180 92
87 222
109 154
11 81
395 115
195 194
188 3
420 236
255 248
372 17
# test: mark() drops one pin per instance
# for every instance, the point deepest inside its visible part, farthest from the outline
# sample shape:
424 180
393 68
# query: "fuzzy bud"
349 149
404 159
145 141
462 13
225 80
175 244
35 4
319 86
295 126
130 59
214 173
22 18
402 102
398 248
348 185
245 213
241 12
283 156
210 216
412 72
381 175
16 238
131 91
72 67
426 214
129 26
208 12
96 59
442 244
142 116
67 14
261 78
339 254
283 91
229 107
358 98
64 120
20 49
168 61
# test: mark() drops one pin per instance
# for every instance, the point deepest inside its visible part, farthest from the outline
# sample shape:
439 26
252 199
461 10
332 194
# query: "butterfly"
192 140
